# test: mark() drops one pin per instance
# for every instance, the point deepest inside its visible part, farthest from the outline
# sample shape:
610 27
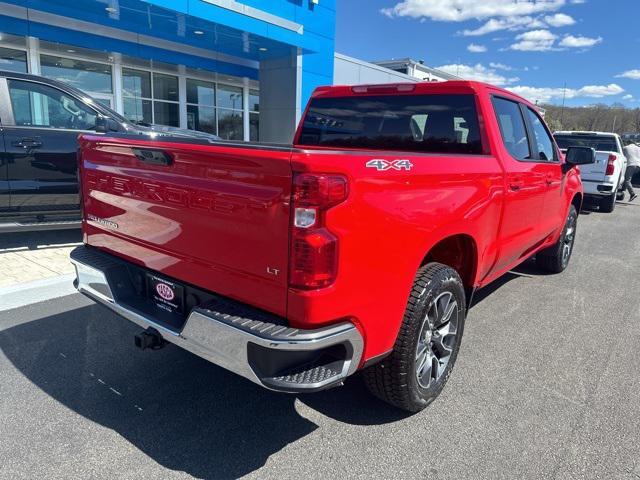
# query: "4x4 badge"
384 165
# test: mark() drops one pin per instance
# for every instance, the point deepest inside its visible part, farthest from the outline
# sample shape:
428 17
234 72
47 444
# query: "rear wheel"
608 204
428 342
556 258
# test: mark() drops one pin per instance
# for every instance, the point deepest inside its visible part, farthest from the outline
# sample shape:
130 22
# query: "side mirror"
106 124
580 156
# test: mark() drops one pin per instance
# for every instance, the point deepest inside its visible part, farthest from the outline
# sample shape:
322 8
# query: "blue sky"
530 46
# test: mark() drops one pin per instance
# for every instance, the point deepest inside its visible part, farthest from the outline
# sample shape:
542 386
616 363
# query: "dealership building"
241 69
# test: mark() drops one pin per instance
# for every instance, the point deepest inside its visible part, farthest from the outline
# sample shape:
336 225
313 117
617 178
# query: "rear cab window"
432 123
602 143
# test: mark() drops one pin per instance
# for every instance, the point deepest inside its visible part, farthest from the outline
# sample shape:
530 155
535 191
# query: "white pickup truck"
605 177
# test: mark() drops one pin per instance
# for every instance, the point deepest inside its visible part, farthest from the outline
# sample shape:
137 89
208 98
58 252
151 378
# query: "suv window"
418 123
543 140
512 127
37 105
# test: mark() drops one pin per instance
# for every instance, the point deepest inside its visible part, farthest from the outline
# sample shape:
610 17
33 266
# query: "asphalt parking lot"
547 385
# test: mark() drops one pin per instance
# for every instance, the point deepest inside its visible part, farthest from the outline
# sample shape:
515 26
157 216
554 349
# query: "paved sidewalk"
26 257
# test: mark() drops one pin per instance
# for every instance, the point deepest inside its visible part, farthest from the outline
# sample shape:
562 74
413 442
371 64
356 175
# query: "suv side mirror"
106 124
580 155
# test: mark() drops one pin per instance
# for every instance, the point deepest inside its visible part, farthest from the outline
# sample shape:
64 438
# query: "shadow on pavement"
183 412
40 240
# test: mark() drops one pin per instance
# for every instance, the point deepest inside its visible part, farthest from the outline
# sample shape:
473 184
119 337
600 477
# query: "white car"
605 177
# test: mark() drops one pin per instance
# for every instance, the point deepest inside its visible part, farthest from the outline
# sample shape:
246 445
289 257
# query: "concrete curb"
17 296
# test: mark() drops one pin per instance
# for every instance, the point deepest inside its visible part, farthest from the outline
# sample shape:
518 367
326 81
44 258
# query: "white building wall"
351 71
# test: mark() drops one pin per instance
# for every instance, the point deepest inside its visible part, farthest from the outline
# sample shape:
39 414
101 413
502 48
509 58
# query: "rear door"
41 147
526 185
208 215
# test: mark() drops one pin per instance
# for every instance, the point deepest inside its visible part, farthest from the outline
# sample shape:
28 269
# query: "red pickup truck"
357 248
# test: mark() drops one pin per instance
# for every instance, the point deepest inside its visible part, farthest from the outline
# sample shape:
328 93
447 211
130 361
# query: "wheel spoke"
436 368
424 370
421 354
446 306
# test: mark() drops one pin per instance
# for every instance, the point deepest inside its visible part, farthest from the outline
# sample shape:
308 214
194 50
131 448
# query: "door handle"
516 185
550 181
27 143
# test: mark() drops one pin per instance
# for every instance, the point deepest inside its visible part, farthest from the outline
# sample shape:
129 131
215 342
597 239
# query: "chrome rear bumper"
270 354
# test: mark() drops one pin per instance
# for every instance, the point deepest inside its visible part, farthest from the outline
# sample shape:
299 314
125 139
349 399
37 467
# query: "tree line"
606 118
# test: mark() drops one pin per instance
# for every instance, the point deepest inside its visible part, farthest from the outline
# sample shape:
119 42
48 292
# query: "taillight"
611 168
314 249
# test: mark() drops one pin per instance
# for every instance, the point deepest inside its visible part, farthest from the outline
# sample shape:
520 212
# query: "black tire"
556 258
396 379
608 204
620 196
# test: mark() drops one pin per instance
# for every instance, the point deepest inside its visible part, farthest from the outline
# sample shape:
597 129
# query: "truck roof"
585 132
452 86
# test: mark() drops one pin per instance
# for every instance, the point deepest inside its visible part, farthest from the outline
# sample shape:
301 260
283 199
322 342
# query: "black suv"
40 120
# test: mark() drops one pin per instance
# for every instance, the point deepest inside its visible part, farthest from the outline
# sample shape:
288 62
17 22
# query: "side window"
512 126
37 105
543 140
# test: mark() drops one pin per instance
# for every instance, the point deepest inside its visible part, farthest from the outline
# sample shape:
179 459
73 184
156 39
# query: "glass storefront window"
13 60
201 114
254 127
200 93
149 97
165 113
230 124
254 101
254 115
201 118
229 97
136 83
86 76
165 87
136 95
137 110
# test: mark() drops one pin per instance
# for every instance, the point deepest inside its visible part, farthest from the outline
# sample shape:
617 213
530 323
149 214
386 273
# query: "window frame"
9 120
199 105
219 109
528 129
533 138
21 50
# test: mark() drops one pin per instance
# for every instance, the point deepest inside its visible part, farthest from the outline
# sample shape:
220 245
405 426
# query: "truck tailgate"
595 172
215 216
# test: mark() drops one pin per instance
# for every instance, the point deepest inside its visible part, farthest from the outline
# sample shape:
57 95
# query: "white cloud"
478 72
535 41
461 10
500 66
571 41
631 74
546 94
628 97
474 48
496 25
559 20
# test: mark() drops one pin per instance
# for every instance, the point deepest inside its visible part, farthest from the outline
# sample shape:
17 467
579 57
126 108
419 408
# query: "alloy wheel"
436 339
